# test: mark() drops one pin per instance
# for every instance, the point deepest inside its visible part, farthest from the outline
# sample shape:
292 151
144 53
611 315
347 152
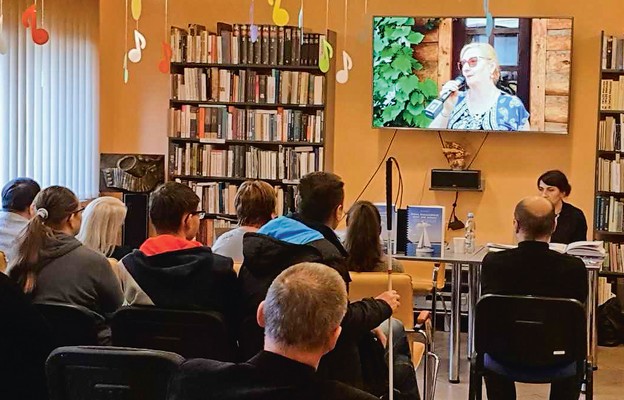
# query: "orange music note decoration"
136 8
342 76
29 19
164 64
280 15
327 52
134 55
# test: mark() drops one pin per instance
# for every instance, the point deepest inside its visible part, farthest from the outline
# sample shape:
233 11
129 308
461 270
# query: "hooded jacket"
286 241
171 272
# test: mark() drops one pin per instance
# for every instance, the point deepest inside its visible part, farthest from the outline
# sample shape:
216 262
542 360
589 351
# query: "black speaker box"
136 226
449 179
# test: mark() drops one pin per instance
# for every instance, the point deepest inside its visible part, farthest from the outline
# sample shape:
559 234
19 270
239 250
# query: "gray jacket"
11 224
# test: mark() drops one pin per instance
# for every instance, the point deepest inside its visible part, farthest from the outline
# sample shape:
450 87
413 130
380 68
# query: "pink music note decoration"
253 28
164 64
134 55
29 19
342 76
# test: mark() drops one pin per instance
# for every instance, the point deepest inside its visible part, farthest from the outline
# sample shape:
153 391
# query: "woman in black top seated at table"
571 223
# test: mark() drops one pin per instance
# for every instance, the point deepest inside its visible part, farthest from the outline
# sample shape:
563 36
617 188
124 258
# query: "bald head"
535 218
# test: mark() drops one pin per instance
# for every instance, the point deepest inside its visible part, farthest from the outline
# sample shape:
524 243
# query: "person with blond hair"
482 106
255 206
301 317
102 220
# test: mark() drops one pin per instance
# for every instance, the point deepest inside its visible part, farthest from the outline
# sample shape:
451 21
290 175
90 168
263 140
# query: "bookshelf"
609 184
243 110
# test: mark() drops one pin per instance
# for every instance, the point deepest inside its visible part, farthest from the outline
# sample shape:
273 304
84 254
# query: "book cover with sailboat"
425 231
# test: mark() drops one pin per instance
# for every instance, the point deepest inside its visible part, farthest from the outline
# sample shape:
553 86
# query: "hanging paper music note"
134 55
342 76
136 7
327 52
29 19
125 69
253 28
489 21
280 15
164 64
300 25
3 43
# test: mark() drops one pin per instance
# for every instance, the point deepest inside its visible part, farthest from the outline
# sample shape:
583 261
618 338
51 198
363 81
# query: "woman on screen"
482 106
571 223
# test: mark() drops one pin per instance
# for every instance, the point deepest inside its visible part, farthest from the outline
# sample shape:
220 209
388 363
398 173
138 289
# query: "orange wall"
134 115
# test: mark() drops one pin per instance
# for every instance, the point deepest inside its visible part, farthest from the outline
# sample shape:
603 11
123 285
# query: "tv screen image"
445 73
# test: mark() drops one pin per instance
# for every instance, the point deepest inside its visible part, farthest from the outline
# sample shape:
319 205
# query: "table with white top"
473 262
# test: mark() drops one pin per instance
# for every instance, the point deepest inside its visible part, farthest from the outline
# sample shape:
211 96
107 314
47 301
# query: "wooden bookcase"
269 119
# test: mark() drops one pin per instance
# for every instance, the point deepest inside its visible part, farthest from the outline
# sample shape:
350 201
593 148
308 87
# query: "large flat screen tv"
446 73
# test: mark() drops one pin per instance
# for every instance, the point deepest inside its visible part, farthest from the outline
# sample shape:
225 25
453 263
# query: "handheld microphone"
435 107
389 194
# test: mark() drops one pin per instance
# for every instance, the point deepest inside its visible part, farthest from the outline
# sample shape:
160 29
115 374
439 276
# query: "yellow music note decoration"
342 76
327 52
280 15
137 7
134 55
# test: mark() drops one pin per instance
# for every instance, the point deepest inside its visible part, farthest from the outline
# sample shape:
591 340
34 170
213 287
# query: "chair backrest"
370 284
422 275
71 325
530 331
192 334
109 373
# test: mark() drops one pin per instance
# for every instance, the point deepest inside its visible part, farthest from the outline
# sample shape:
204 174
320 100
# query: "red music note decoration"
29 20
163 65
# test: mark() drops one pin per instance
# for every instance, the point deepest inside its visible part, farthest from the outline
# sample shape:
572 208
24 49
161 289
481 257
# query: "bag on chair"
610 323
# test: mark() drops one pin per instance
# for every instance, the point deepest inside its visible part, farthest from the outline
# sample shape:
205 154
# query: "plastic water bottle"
470 234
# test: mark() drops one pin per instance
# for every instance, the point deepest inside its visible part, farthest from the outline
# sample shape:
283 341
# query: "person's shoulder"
572 209
203 375
88 255
333 390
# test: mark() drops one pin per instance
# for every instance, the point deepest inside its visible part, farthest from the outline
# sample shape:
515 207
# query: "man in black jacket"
308 236
533 269
301 316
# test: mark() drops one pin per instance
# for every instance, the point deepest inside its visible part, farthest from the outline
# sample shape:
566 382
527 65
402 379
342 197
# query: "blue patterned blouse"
509 114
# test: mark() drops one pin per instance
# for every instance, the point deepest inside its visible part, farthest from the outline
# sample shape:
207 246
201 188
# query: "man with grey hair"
533 269
301 317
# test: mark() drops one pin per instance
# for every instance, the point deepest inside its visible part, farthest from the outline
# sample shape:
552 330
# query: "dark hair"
557 179
54 205
255 203
534 225
18 194
168 204
319 195
362 243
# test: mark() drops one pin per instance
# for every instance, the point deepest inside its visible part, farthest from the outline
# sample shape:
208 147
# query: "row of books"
613 52
610 133
237 44
614 262
231 123
610 177
237 161
224 85
604 290
609 214
210 229
612 94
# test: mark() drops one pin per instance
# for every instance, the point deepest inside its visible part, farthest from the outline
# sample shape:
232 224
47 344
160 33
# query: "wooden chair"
427 278
370 284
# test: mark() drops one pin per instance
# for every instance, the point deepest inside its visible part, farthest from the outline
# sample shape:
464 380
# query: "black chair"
531 340
71 325
109 373
192 334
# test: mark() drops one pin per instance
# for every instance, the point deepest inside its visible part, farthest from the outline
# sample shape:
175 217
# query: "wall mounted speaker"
456 180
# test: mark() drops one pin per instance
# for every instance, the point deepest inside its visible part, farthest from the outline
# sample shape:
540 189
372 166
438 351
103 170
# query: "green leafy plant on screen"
399 96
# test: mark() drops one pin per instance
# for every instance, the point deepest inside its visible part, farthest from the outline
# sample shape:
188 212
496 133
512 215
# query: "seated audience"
363 242
533 269
255 206
101 224
308 236
571 224
301 318
17 197
171 270
51 265
25 343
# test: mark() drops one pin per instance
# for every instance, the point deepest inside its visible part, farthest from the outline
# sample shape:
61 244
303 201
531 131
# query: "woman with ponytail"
51 265
363 240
